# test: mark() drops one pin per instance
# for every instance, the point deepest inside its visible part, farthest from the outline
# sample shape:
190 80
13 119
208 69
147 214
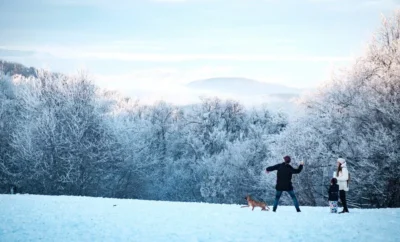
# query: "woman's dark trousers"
342 195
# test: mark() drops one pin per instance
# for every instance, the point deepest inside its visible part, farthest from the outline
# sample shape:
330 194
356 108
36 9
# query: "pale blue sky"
146 43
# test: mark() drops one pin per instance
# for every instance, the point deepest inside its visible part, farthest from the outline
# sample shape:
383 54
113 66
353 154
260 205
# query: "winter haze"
248 91
152 49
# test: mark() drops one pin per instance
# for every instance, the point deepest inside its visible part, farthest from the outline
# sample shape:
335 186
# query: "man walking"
284 180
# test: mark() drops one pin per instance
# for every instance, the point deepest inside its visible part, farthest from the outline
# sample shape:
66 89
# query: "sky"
157 46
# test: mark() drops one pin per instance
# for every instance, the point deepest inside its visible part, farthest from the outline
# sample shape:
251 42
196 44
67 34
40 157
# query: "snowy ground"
62 218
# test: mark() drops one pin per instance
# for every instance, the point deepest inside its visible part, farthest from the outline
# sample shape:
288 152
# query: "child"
333 195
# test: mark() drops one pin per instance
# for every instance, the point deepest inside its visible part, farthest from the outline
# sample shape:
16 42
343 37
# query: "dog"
252 203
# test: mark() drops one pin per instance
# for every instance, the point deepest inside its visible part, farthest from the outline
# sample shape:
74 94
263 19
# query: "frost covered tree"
8 107
356 116
61 142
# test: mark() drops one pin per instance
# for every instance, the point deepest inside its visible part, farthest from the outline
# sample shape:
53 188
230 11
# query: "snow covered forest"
63 135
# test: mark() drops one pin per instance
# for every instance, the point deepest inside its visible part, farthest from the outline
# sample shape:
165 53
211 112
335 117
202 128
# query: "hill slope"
63 218
11 68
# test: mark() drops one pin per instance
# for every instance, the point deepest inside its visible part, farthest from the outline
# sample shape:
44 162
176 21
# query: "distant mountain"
242 86
249 91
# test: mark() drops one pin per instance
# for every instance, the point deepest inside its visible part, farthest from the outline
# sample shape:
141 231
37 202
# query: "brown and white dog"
252 203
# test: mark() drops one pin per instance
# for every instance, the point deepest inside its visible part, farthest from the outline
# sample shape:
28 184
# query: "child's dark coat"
333 192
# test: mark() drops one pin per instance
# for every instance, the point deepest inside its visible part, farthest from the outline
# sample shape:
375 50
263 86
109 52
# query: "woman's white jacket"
342 179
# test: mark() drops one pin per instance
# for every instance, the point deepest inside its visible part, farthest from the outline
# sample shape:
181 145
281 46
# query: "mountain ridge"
242 86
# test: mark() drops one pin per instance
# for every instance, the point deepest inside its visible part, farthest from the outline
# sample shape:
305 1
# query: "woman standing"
342 176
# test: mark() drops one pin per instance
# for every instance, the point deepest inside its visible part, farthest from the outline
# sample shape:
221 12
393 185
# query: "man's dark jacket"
284 176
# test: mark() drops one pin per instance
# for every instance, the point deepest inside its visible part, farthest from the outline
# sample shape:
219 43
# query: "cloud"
15 53
382 3
196 57
353 5
170 1
161 78
110 4
323 1
73 53
132 44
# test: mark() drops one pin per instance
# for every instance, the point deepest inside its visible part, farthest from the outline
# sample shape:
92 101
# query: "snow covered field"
63 218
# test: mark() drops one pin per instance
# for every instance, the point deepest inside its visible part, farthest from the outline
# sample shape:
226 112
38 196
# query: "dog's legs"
252 209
